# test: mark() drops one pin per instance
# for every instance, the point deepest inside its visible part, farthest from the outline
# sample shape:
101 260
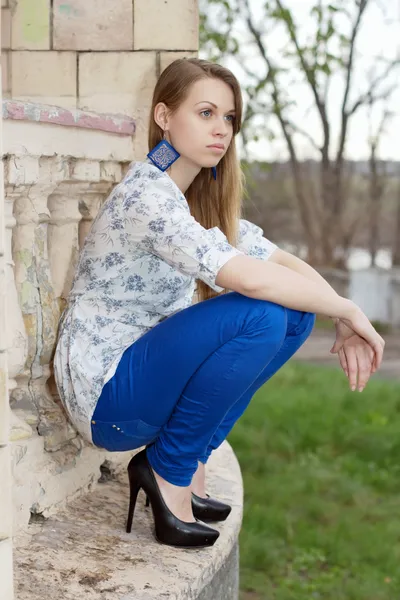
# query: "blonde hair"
212 203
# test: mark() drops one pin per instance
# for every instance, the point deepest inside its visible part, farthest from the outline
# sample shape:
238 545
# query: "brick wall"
100 55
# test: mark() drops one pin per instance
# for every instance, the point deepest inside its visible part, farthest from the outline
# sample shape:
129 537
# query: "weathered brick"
46 77
166 58
86 170
5 74
116 82
22 170
93 25
5 28
140 141
165 25
30 26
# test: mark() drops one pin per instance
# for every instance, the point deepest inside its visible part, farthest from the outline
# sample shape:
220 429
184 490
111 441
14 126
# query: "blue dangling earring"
163 155
214 172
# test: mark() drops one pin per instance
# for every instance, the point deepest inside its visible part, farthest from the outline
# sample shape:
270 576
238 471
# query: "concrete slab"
85 552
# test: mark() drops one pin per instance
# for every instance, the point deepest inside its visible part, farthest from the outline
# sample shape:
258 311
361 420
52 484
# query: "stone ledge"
84 550
42 113
45 482
37 138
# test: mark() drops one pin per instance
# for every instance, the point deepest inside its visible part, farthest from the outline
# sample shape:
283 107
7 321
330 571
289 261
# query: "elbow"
250 287
248 284
241 274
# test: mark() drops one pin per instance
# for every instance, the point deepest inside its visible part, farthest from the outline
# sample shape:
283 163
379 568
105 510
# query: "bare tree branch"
366 97
303 203
321 106
349 73
308 136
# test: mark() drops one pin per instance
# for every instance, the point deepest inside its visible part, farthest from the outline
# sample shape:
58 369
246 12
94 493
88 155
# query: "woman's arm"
286 259
268 280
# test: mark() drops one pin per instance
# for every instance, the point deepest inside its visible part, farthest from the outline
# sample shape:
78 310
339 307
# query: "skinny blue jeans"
181 387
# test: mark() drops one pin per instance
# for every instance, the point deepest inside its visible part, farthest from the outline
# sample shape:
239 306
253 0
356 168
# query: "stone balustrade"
59 166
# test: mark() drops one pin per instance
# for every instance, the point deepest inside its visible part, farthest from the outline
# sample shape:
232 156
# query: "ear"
161 113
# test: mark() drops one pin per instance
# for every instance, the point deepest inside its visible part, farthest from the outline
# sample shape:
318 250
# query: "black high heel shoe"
168 528
207 509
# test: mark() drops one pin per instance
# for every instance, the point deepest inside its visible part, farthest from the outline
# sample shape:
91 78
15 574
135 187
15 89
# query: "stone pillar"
6 512
34 180
63 240
17 340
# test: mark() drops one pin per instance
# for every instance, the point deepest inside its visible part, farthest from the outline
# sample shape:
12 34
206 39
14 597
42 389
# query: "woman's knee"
306 325
273 319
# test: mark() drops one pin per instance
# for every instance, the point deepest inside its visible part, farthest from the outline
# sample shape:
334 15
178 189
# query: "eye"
231 118
208 110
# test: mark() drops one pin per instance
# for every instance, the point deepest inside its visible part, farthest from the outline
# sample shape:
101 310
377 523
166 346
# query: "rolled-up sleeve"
161 223
251 241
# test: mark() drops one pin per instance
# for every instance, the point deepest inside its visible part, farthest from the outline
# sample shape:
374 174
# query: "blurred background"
320 135
320 148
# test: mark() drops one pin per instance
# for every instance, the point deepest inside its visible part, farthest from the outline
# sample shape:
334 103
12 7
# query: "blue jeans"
181 387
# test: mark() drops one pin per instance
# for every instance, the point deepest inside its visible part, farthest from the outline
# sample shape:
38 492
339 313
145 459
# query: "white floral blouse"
138 266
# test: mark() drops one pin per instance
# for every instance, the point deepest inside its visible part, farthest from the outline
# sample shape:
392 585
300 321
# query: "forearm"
300 266
266 280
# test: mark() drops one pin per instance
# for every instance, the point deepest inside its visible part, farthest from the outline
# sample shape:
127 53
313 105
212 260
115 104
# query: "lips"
219 146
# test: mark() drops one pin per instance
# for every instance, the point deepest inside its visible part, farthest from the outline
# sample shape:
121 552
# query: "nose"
221 128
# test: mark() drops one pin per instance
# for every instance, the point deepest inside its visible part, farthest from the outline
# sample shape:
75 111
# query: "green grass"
321 470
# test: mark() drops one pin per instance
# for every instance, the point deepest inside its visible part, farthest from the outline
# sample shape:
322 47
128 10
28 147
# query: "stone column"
36 180
91 198
63 240
17 341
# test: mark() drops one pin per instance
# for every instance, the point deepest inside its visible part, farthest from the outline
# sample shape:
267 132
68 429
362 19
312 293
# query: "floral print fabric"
137 267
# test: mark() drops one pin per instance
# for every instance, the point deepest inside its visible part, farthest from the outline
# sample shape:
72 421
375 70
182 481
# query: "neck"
183 173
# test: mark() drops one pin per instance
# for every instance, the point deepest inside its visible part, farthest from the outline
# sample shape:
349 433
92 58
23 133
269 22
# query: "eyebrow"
214 105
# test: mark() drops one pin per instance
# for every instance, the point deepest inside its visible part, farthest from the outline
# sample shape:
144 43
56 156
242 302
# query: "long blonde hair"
212 203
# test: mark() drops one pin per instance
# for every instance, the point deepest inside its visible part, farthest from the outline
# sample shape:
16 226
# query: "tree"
396 248
377 183
328 53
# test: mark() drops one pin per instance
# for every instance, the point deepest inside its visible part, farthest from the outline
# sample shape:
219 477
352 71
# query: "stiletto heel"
147 501
134 490
168 528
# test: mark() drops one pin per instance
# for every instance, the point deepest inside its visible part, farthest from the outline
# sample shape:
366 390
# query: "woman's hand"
354 320
356 356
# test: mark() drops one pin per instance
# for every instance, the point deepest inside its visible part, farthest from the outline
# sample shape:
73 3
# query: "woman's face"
202 128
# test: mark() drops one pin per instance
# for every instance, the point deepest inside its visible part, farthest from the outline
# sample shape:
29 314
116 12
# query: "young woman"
137 363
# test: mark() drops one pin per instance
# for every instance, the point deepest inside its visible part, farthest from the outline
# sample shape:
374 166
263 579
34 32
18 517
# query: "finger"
343 361
337 346
378 348
371 357
352 367
364 368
